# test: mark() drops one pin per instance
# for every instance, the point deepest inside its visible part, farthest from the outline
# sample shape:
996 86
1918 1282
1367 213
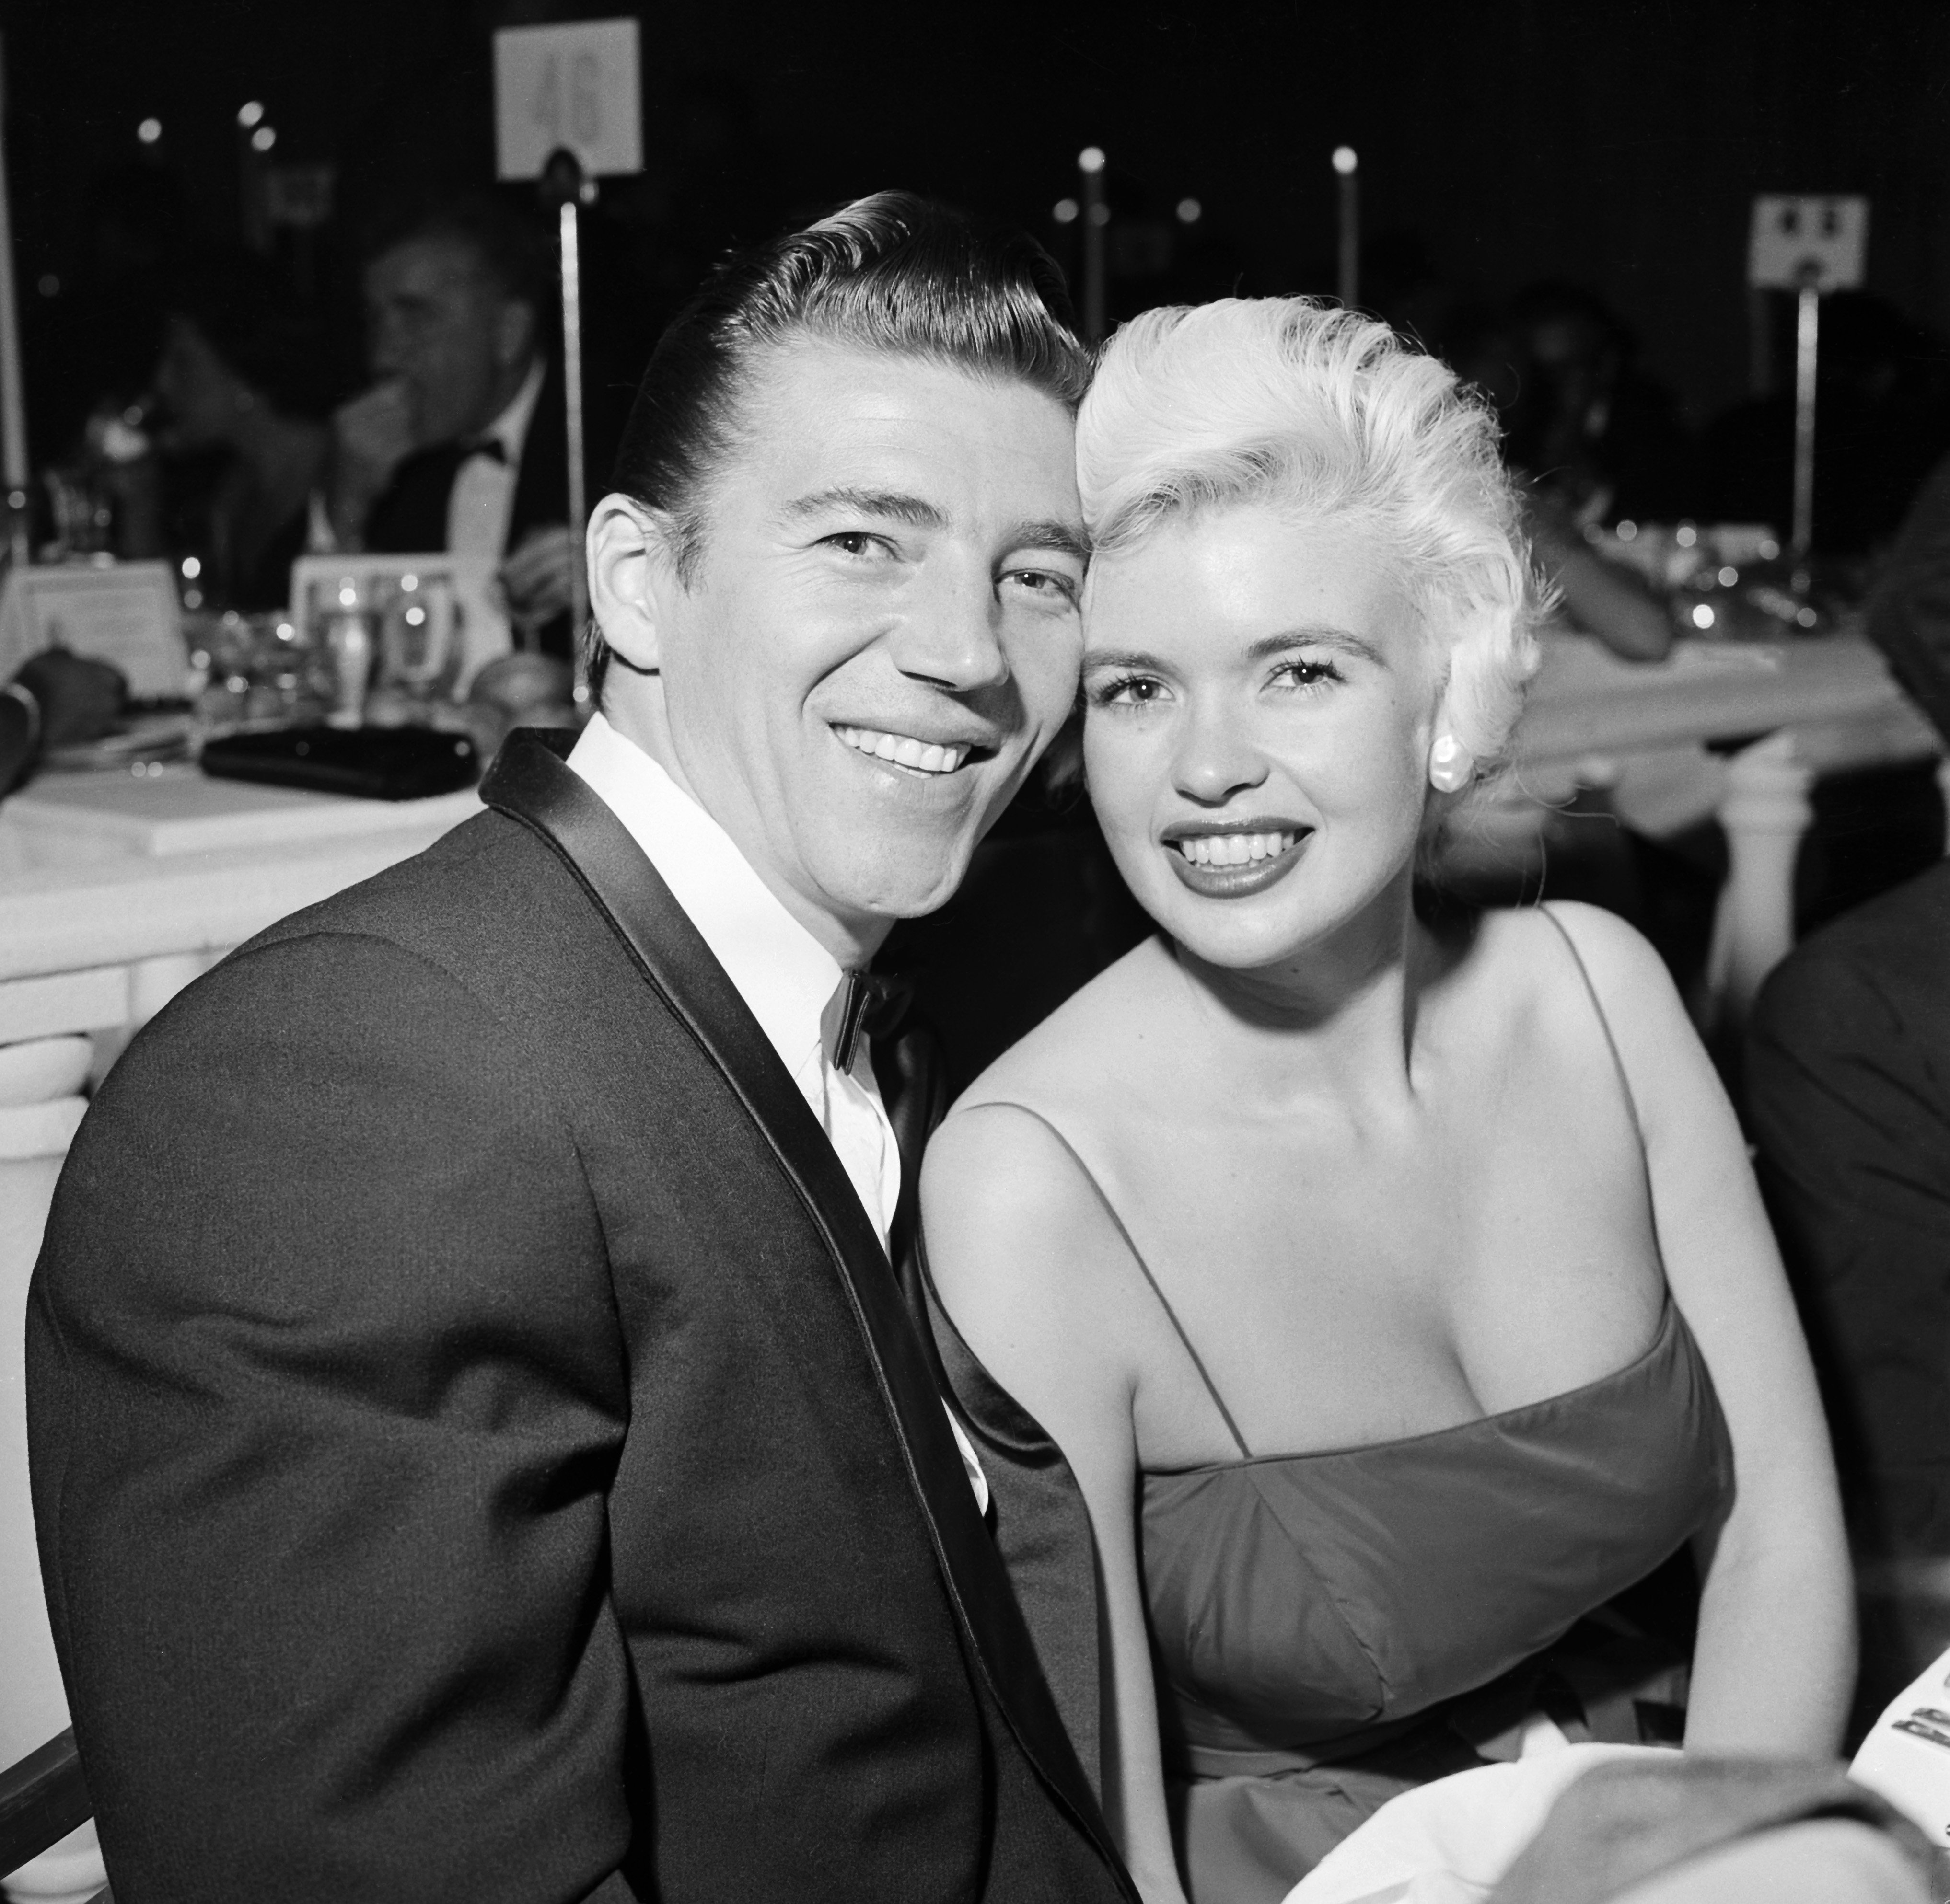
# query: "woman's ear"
630 574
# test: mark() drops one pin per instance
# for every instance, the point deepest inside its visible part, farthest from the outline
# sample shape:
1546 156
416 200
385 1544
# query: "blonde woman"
1396 1296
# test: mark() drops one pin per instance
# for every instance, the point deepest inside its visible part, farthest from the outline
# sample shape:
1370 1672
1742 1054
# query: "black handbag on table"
369 762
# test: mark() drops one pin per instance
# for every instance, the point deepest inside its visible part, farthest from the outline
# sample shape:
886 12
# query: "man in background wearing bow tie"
461 445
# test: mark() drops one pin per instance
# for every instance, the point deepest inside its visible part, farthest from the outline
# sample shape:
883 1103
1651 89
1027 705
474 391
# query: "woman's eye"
1127 691
1306 674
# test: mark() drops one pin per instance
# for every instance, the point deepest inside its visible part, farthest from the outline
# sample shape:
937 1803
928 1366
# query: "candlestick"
562 179
1096 215
1807 337
1348 165
12 407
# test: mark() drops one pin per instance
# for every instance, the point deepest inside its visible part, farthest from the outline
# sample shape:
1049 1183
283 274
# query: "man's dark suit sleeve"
326 1389
1847 1082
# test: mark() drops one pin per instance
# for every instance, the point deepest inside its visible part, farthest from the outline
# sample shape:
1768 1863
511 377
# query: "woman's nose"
949 634
1216 759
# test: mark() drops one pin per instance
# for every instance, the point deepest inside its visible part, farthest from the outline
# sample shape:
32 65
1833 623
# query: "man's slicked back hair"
892 272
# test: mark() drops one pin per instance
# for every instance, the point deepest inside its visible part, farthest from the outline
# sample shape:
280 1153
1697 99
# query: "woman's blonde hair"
1325 415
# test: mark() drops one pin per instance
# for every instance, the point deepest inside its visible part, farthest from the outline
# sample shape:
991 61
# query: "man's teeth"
903 750
1234 849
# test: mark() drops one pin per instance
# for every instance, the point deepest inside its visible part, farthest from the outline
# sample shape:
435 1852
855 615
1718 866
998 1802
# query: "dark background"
1616 145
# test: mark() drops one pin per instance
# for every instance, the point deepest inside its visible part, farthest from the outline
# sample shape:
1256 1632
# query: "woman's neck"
1338 1015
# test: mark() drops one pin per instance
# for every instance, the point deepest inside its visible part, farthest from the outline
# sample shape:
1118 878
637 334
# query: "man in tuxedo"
462 444
480 1450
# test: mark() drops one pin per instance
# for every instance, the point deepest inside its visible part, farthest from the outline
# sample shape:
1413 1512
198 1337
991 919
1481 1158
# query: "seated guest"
1848 1077
1908 615
461 445
1397 1296
239 375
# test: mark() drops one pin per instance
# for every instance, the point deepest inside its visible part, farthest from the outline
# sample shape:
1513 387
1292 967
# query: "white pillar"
1765 812
41 1108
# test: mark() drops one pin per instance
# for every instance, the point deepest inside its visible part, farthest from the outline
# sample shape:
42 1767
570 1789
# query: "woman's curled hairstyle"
1326 415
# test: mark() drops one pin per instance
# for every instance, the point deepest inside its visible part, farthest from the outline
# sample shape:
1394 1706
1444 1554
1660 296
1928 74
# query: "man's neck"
507 387
636 710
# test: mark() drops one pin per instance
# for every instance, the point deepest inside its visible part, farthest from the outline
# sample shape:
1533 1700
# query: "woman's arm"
1775 1663
1035 1278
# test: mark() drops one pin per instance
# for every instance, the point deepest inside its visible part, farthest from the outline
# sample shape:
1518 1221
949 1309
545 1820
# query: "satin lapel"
530 784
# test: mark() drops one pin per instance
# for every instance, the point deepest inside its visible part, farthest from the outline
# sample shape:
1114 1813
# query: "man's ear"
515 331
631 574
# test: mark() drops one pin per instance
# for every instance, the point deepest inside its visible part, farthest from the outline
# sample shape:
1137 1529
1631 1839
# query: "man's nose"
951 634
1215 758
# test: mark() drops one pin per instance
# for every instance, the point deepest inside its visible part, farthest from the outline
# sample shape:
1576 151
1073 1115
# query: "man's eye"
856 542
1048 583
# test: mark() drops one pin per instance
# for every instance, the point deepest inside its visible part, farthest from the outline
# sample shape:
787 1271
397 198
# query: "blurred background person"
241 398
460 444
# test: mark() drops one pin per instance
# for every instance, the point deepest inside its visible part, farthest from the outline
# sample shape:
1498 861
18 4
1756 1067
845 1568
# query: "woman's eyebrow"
1316 635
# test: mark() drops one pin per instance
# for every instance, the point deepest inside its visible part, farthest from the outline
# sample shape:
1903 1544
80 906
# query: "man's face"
439 323
882 632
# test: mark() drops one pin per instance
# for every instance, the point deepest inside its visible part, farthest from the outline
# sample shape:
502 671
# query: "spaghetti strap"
1604 1023
1137 1256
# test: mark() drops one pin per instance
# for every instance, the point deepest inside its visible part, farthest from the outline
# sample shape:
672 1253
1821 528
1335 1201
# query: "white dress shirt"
483 496
785 976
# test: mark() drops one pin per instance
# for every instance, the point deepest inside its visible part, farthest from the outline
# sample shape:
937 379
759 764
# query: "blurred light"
49 286
1100 214
193 597
250 113
149 131
133 416
1344 159
1729 576
1770 549
1687 536
348 595
408 583
1066 211
192 567
1190 211
416 615
263 139
1703 615
1627 530
1090 158
1805 617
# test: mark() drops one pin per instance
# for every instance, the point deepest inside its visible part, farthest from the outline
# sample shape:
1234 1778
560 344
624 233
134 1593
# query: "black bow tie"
868 1002
491 447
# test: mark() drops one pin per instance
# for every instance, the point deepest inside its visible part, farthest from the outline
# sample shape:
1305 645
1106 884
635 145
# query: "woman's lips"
1236 862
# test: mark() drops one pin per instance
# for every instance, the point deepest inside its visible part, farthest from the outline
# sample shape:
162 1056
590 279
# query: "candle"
1347 165
13 412
1096 215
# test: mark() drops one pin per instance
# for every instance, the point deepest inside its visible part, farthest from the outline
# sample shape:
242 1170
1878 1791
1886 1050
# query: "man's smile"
906 750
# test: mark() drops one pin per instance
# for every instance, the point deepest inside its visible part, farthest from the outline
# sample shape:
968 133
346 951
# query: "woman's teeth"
1234 849
903 750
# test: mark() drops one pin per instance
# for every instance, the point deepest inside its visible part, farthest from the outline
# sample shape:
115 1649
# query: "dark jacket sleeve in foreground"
1848 1080
325 1389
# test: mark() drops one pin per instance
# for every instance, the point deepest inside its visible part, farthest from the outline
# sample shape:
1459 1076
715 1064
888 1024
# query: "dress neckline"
1669 1322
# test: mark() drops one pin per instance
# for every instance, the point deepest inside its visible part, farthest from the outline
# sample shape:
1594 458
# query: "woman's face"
1260 698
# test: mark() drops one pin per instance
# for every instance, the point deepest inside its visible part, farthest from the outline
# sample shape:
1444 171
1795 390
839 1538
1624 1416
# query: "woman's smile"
1233 859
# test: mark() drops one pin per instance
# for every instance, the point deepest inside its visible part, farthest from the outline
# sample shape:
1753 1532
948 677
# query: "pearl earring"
1451 765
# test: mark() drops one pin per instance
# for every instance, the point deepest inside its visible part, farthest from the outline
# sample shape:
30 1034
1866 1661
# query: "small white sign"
124 614
1799 242
576 86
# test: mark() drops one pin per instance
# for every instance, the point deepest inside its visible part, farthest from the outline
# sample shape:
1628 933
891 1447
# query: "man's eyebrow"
888 505
1129 661
1060 538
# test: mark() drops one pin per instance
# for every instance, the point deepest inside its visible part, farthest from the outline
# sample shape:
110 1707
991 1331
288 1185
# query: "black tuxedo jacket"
410 516
479 1448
